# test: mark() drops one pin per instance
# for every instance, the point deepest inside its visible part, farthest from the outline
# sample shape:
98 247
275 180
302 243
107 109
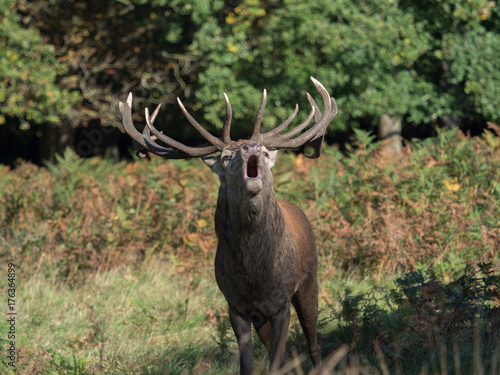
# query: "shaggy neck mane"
251 224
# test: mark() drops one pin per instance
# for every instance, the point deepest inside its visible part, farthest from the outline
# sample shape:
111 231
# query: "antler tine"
315 134
317 113
150 141
126 112
155 148
187 150
209 137
282 126
139 151
226 129
146 141
299 127
258 117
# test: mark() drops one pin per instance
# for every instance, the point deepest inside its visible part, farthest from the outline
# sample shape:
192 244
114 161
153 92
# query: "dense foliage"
425 323
28 73
436 204
429 62
116 259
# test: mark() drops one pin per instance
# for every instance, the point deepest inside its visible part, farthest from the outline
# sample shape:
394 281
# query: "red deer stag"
266 255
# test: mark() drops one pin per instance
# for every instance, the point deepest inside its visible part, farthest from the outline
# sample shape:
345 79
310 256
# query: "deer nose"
251 148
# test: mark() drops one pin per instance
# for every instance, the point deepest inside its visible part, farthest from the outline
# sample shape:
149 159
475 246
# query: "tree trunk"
389 127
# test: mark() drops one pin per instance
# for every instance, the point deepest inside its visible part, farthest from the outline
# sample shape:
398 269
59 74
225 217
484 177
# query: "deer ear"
273 154
210 160
213 162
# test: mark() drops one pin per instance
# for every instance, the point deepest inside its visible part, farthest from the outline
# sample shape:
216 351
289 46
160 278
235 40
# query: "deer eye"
226 158
266 154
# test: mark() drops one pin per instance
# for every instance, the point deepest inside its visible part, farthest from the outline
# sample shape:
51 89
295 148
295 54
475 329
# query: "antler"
146 141
312 137
273 139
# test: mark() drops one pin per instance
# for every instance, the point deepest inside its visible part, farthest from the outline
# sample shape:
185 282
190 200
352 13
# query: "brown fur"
266 260
266 257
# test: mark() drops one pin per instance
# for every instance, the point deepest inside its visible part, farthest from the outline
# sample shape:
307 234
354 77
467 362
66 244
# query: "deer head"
245 166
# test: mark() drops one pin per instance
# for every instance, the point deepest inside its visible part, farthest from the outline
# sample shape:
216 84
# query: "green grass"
156 318
159 318
115 261
121 321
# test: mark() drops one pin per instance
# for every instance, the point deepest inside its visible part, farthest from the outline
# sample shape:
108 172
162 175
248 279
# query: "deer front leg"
279 330
242 331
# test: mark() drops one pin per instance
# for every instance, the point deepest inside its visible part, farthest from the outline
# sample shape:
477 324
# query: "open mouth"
252 169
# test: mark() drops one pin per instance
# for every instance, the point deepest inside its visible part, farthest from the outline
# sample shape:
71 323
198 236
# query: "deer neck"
250 222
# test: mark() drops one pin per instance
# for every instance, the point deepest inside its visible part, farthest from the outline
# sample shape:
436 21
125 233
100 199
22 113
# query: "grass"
152 319
124 320
158 319
115 274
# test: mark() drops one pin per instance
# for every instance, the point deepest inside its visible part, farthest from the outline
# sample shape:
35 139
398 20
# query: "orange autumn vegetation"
436 203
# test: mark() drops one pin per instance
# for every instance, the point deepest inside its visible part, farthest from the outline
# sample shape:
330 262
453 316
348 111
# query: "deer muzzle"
252 171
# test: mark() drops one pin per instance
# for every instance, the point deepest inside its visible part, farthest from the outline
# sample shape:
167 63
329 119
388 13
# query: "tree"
464 59
427 62
28 72
107 49
424 62
29 91
364 51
